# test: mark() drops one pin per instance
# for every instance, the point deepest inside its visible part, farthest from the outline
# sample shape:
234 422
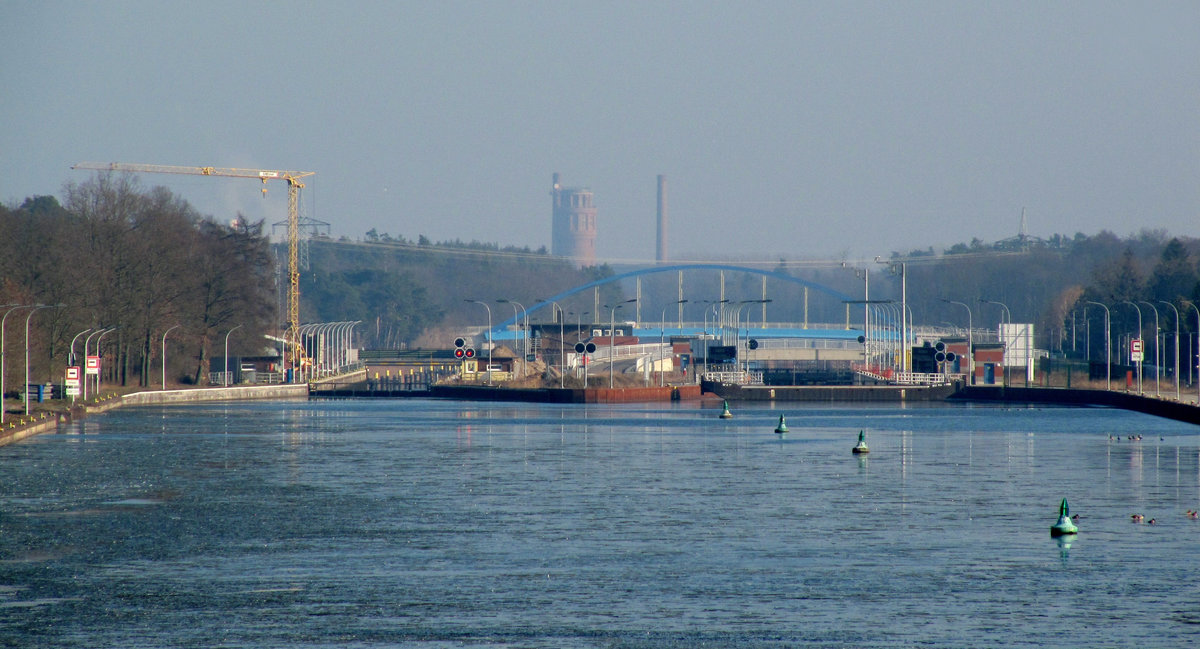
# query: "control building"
573 231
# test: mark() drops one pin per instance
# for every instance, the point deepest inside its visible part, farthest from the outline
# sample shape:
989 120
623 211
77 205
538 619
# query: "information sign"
1136 353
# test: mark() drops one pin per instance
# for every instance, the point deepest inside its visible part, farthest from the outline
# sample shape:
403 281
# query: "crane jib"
292 178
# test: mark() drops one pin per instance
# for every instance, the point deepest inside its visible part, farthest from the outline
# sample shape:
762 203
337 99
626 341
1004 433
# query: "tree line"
1052 283
418 295
140 261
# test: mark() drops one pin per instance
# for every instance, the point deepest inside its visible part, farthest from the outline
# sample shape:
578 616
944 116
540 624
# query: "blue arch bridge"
728 344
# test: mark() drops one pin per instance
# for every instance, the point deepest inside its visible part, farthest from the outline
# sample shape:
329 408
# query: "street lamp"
865 275
970 335
225 377
1108 344
319 346
164 355
737 328
905 361
715 305
1157 355
489 337
662 323
612 338
1176 365
71 360
1008 321
521 343
345 338
884 311
562 352
579 338
1139 337
86 341
27 317
98 339
3 367
1192 359
302 331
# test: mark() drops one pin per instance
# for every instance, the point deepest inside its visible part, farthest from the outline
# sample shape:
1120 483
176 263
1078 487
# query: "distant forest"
419 294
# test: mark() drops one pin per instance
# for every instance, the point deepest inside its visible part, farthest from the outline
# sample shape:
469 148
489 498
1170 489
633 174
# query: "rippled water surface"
452 524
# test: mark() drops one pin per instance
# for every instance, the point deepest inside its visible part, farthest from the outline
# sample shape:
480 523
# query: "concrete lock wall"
299 391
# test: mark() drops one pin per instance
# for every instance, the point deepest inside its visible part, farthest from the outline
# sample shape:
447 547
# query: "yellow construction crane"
294 183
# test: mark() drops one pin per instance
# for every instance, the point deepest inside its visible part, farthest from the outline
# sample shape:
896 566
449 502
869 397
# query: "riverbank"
19 428
1159 407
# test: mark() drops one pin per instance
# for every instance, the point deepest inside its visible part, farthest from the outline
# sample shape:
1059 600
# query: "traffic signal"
461 350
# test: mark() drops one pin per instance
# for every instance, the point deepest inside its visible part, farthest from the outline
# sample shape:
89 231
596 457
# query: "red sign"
93 365
1136 350
72 376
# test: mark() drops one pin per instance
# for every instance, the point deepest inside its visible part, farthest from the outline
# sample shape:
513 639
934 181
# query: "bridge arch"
676 268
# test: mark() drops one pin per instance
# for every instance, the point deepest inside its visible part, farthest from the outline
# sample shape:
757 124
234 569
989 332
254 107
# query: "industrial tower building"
573 231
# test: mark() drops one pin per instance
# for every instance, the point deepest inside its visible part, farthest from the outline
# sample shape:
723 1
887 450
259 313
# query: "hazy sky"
785 129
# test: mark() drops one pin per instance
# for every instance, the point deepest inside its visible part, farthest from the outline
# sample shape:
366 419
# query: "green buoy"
782 427
1064 525
861 446
725 414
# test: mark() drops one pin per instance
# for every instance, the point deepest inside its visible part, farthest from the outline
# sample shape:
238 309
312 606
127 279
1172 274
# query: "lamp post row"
1158 360
34 308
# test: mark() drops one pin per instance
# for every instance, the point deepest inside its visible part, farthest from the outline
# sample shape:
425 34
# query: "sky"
789 129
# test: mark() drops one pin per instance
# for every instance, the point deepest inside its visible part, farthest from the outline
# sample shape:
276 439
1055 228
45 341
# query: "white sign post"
72 382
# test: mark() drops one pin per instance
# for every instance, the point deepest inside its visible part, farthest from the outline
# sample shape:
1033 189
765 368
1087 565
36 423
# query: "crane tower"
294 183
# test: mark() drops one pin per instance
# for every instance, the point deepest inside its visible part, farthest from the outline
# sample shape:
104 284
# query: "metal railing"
912 378
735 378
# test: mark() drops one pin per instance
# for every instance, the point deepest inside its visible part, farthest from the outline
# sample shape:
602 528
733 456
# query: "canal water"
438 524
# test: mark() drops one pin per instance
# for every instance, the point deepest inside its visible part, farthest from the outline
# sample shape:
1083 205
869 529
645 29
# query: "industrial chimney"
661 255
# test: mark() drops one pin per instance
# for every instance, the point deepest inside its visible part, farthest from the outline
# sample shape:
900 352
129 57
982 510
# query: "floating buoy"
1064 524
725 414
861 446
782 427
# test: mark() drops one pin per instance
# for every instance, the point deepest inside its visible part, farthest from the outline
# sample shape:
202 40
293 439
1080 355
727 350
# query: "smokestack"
661 255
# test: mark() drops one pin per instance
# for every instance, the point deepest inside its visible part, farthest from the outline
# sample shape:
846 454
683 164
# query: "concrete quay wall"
1167 408
25 429
232 393
830 393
